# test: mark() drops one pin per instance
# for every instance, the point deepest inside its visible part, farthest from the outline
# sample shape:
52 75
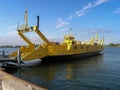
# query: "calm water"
95 73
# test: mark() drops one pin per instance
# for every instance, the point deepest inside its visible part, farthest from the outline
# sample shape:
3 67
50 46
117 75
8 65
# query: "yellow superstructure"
52 49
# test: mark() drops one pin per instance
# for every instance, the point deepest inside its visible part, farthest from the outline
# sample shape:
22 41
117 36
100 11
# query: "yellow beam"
25 30
35 28
25 38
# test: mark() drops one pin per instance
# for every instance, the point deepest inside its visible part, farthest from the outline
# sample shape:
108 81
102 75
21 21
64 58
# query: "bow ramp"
30 52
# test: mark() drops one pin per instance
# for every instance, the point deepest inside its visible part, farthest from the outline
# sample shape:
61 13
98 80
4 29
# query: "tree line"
114 45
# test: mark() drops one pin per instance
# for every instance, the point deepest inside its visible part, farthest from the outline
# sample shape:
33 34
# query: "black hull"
68 57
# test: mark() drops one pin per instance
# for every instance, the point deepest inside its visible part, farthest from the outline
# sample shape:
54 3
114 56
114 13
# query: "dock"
9 82
2 60
10 62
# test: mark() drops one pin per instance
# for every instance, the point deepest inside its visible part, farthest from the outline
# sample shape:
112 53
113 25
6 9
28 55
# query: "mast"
26 19
21 29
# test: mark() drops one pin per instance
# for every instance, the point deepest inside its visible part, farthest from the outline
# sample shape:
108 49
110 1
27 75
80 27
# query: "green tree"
112 44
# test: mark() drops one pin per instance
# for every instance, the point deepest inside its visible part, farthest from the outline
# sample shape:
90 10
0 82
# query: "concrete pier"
9 82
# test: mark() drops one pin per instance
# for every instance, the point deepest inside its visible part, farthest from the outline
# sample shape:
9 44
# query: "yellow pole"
25 38
26 19
41 35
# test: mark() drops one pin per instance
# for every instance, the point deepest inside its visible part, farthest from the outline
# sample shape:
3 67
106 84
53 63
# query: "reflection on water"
94 73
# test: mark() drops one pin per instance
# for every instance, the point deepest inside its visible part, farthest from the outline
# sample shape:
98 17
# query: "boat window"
72 42
75 47
95 44
57 43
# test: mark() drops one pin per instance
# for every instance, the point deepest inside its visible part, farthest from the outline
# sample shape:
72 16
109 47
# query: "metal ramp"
30 52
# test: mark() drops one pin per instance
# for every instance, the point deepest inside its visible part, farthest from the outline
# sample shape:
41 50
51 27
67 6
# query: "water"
94 73
7 50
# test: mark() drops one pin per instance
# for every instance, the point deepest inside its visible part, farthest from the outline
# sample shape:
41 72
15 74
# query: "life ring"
51 48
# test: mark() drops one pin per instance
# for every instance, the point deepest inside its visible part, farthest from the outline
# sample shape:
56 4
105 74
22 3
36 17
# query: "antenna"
96 37
70 30
26 18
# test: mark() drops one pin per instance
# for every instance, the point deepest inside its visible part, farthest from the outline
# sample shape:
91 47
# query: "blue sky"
85 17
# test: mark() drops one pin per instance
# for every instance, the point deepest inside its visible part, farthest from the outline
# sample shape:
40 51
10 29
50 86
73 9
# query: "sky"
84 17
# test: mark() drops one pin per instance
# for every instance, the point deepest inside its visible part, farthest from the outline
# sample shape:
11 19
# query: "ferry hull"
70 57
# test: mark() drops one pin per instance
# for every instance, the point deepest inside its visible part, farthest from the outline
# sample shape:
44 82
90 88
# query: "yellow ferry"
69 48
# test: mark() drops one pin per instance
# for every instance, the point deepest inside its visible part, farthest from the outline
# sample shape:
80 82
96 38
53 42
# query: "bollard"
19 57
3 53
3 64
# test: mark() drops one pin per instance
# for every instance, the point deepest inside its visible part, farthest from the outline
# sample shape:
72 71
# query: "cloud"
98 2
65 29
11 40
86 8
99 31
0 33
61 23
12 27
117 11
13 33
